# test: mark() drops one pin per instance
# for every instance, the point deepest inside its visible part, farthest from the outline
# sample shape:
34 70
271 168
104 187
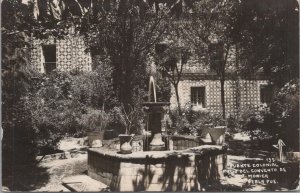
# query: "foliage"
129 118
209 30
192 122
170 60
278 120
19 144
268 38
95 88
94 120
58 104
163 88
54 112
255 122
286 111
124 33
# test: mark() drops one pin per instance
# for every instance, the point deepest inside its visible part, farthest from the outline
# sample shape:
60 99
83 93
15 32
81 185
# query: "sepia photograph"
150 95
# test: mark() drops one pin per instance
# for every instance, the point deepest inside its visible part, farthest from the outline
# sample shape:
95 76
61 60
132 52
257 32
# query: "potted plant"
128 118
95 121
217 132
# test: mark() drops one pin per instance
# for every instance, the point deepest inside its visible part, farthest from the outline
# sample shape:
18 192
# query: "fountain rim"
199 151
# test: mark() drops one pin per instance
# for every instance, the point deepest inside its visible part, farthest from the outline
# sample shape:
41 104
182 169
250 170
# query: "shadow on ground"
25 177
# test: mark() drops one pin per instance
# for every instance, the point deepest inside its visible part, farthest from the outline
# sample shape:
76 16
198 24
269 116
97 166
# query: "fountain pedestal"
155 113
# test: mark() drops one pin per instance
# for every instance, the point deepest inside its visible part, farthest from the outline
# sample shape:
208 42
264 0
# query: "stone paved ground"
61 168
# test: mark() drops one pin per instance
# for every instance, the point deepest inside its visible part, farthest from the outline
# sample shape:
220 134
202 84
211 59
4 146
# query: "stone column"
156 143
155 111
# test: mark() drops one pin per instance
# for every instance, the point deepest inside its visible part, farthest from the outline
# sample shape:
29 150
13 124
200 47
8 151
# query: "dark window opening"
198 96
49 52
265 94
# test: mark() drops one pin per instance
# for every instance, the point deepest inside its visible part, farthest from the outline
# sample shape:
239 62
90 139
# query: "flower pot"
95 138
125 147
218 135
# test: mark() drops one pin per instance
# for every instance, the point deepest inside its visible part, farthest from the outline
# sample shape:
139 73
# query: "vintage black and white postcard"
150 95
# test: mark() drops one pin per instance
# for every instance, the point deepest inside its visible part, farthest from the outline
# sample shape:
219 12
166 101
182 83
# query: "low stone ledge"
192 138
200 150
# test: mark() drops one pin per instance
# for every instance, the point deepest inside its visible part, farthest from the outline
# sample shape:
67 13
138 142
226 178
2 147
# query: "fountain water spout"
152 90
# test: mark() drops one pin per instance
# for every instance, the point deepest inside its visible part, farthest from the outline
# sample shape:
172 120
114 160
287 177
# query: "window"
265 94
49 58
198 96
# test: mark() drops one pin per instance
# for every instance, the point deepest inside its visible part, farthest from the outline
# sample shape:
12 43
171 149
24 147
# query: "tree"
170 60
95 88
24 133
15 81
124 32
209 30
268 40
267 33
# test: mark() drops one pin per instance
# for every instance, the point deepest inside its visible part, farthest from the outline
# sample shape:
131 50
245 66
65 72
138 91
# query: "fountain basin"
182 170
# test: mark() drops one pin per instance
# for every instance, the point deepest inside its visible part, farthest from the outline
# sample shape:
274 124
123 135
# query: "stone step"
84 183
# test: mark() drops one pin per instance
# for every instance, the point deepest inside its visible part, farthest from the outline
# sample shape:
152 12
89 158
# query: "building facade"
65 54
201 93
199 88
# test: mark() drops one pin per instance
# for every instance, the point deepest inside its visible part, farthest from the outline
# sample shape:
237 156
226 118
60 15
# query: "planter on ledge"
95 138
218 135
125 147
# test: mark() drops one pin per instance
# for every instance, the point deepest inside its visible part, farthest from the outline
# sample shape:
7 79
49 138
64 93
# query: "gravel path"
61 168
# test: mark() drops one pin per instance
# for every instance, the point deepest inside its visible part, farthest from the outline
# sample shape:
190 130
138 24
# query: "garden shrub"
66 104
94 120
256 121
126 119
280 119
54 114
192 122
285 109
94 89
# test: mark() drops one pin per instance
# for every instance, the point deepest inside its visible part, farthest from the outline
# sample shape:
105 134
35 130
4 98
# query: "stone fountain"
158 169
155 112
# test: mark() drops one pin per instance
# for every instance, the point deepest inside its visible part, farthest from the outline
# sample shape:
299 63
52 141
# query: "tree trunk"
177 98
222 81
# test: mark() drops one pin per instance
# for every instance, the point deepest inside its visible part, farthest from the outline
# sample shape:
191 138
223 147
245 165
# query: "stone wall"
185 142
70 54
157 171
238 95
